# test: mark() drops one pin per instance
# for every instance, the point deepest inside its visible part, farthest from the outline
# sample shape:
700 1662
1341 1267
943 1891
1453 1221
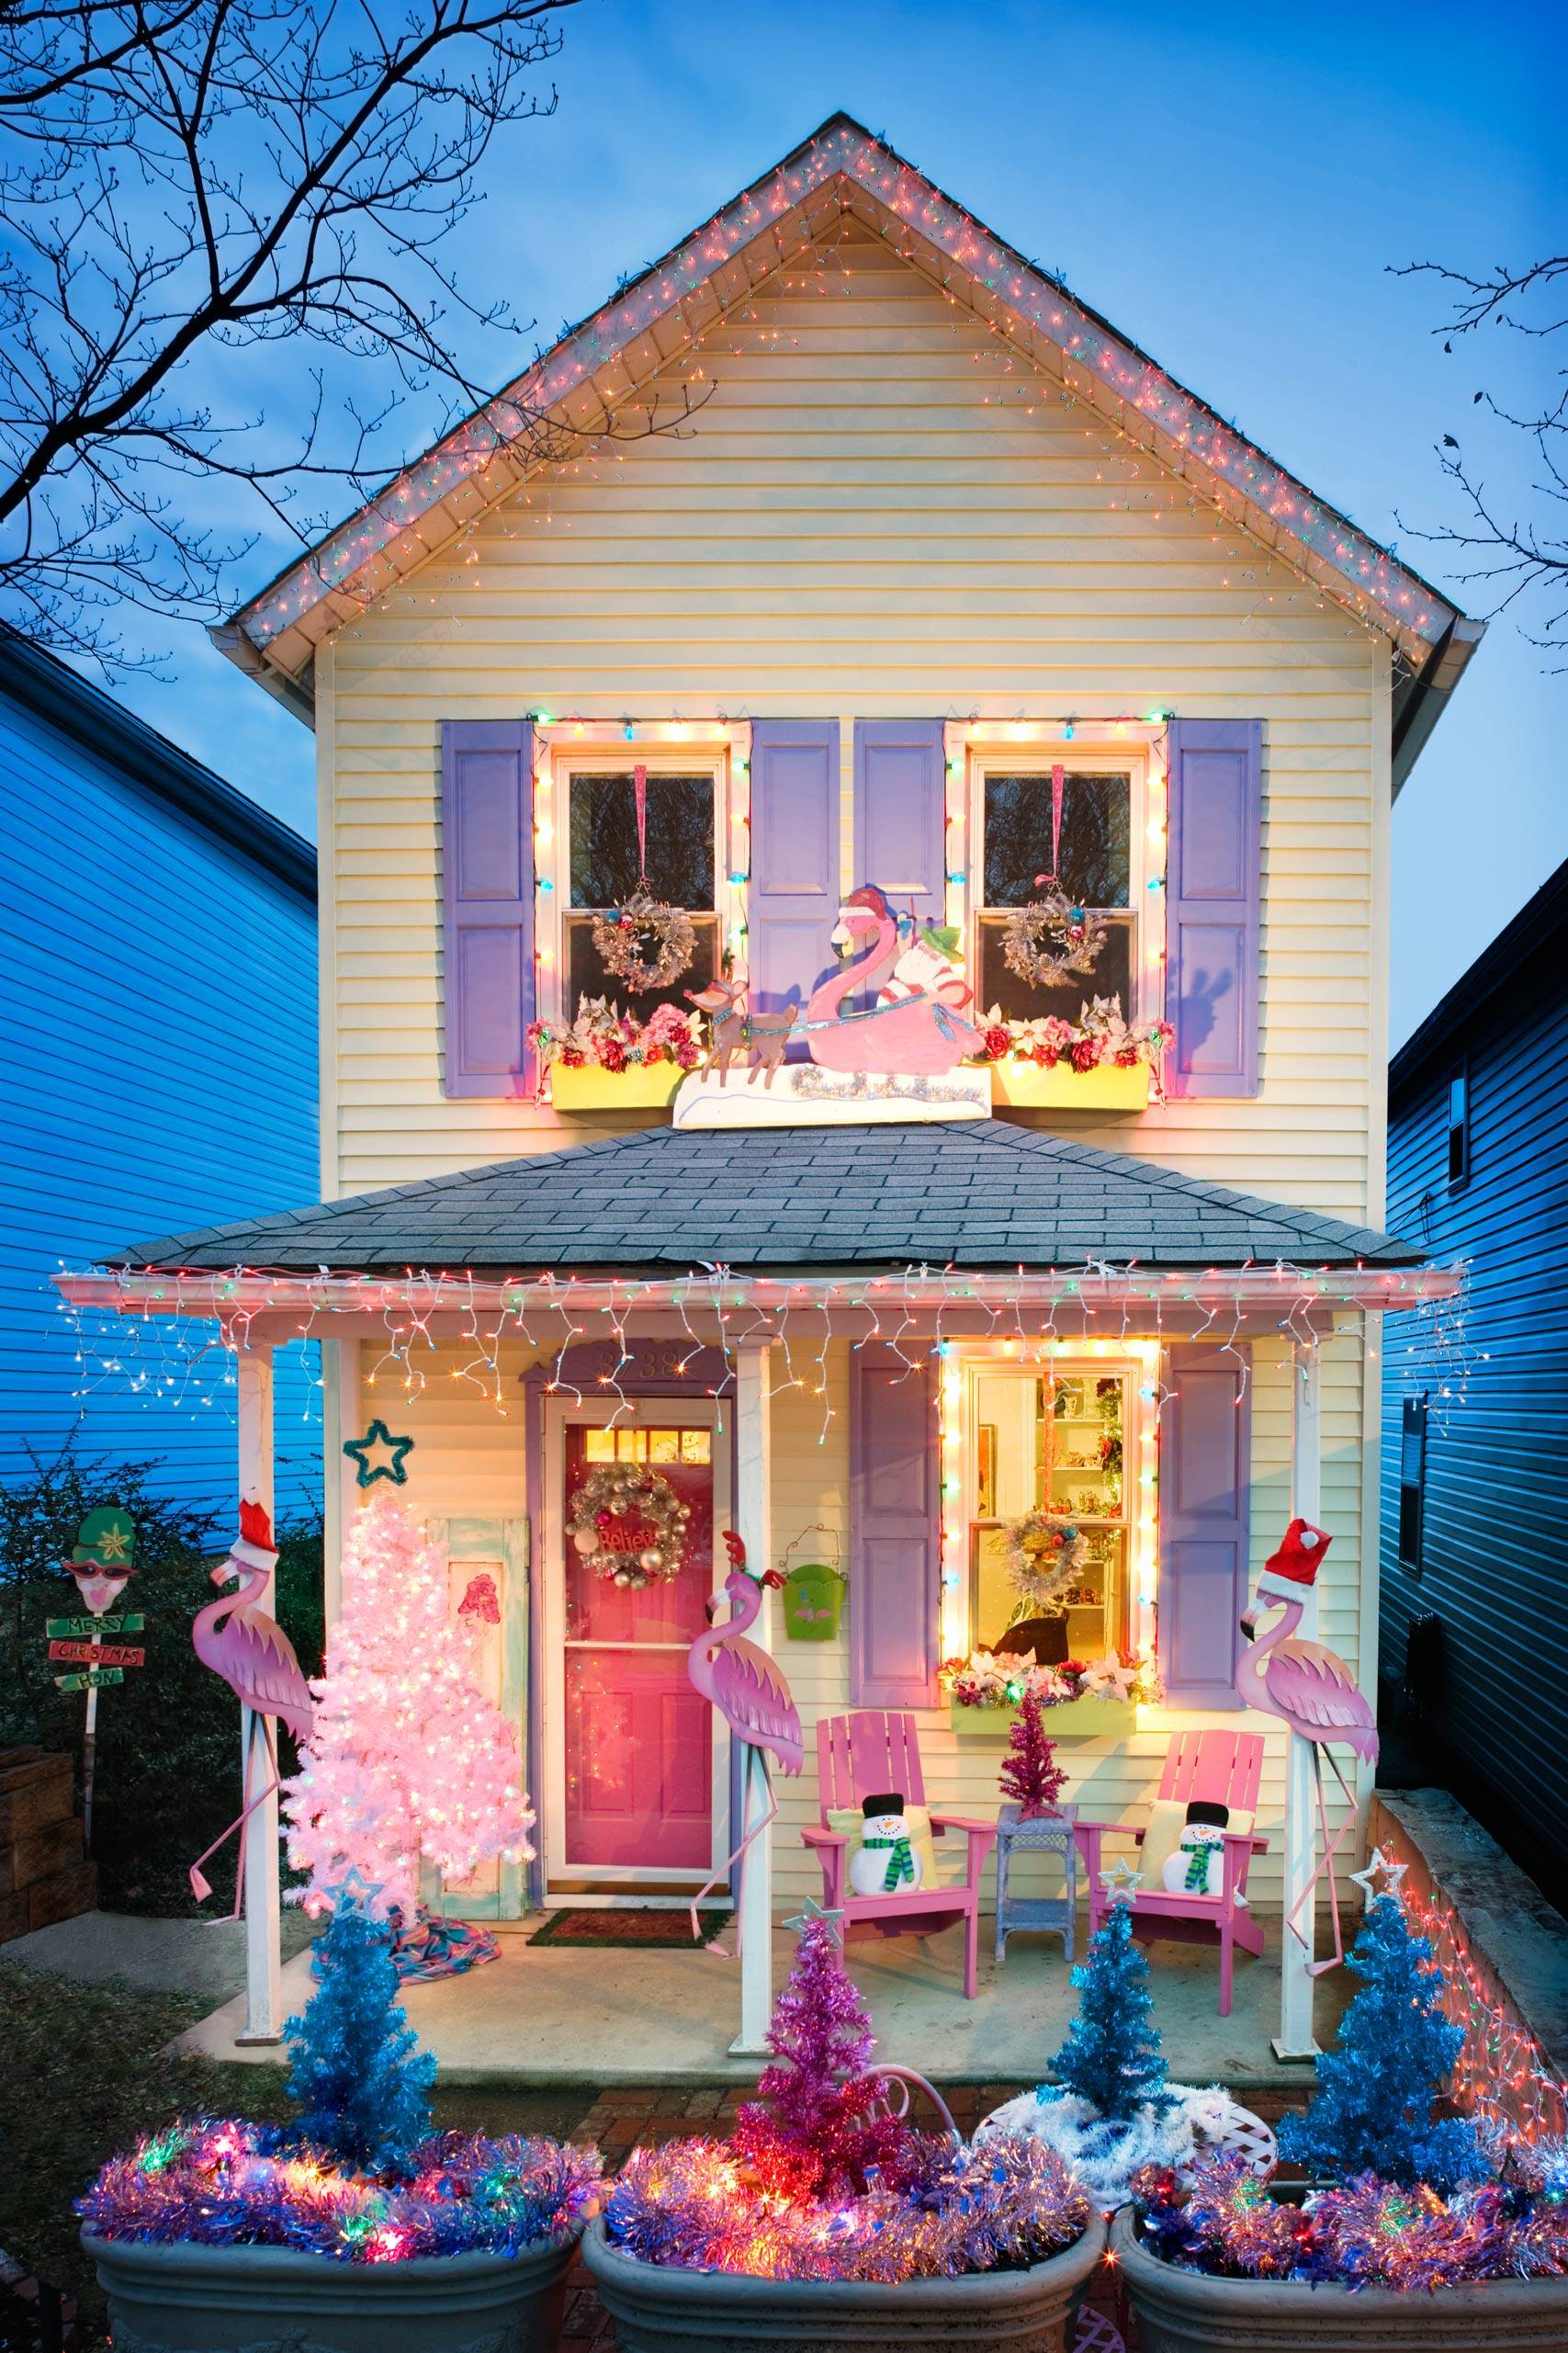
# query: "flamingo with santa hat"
1310 1688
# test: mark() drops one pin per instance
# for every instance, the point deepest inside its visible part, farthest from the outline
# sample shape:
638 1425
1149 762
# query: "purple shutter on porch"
1205 1478
895 1532
486 858
1213 905
900 812
794 899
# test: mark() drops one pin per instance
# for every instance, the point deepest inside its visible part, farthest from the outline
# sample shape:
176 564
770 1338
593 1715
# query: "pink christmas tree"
816 2132
408 1760
1030 1774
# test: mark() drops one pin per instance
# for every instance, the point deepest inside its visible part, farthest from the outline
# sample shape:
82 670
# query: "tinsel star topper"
1121 1882
816 1911
1393 1872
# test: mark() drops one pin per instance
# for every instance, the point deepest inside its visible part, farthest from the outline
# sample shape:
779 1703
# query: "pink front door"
639 1741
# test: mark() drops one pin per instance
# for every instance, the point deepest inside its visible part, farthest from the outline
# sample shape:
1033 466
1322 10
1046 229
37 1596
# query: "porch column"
753 1525
263 1991
1295 2039
340 1421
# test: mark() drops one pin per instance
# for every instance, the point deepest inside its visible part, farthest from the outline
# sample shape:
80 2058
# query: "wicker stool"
1048 1833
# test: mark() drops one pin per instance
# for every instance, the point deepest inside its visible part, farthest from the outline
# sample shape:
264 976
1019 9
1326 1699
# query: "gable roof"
840 169
1537 931
969 1193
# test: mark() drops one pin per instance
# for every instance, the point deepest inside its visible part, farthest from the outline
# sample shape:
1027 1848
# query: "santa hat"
254 1547
1294 1568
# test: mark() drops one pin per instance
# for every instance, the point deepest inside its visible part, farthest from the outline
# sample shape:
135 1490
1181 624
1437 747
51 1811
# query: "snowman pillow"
891 1848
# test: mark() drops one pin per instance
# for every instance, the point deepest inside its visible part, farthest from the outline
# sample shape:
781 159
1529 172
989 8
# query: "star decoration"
1393 1874
115 1543
816 1911
379 1455
1121 1882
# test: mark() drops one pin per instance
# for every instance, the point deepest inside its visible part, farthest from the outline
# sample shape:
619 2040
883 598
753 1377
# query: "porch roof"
978 1194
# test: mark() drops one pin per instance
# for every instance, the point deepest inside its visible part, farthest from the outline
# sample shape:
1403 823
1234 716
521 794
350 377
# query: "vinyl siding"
1495 1569
160 1074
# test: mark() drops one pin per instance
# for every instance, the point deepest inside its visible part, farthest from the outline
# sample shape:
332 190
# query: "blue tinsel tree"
362 2089
1372 2111
1111 2057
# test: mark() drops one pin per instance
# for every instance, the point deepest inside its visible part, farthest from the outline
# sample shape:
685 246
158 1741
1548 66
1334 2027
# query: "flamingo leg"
198 1885
1324 1869
756 1762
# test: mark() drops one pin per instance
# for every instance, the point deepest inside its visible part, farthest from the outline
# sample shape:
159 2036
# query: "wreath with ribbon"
1050 938
629 1524
1042 1556
646 943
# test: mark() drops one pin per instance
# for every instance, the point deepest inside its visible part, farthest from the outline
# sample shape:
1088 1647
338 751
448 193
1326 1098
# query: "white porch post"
1295 2039
753 1525
264 1990
340 1421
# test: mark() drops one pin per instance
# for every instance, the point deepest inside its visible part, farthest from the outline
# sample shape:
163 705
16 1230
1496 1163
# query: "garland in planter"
999 1680
360 2177
604 1038
820 2182
623 1493
1098 1036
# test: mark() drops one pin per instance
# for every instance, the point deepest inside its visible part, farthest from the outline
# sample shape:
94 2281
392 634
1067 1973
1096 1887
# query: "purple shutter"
1214 906
895 1532
793 903
1205 1461
900 812
486 858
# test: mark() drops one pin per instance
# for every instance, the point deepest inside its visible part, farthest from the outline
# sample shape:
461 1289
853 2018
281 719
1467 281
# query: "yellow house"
845 575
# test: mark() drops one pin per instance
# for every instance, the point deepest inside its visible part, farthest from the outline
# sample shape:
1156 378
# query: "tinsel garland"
1367 2234
1105 2153
217 2183
692 2206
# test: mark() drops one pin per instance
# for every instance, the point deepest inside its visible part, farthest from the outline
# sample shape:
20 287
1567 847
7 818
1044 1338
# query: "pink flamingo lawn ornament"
1309 1688
737 1677
916 1034
257 1659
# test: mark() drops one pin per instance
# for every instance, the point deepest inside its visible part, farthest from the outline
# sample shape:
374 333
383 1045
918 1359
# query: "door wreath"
630 1526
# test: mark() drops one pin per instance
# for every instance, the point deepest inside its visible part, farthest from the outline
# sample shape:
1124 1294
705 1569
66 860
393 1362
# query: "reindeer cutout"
756 1037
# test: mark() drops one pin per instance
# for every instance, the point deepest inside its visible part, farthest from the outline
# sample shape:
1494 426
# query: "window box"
1108 1087
1067 1720
642 1086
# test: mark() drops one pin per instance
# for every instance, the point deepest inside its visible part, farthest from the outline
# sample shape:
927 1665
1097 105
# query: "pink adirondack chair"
1223 1767
857 1757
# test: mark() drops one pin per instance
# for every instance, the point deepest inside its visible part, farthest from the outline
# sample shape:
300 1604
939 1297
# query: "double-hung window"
1093 850
1057 1443
673 857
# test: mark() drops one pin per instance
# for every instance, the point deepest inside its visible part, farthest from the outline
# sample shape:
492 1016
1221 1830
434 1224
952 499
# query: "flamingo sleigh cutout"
1311 1688
737 1678
257 1659
915 1035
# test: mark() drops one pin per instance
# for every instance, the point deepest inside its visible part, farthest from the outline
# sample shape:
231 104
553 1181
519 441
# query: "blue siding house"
1475 1487
158 986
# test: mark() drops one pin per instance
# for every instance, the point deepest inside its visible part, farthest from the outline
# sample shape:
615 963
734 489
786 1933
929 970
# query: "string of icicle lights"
172 1337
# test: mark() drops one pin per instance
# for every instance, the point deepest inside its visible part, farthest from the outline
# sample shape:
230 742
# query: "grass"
85 2069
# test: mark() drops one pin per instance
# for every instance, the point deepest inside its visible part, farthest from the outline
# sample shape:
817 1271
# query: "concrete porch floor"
599 2016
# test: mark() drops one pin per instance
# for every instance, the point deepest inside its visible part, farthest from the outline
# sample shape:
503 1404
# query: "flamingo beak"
223 1572
840 937
1249 1625
710 1607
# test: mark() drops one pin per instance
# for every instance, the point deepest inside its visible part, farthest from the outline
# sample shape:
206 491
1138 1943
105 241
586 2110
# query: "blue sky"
1227 187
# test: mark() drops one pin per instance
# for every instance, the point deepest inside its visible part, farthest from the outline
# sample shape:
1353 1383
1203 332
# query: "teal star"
376 1439
814 1911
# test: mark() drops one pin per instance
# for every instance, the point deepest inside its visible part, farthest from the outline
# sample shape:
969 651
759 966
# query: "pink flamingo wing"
1315 1686
257 1660
756 1702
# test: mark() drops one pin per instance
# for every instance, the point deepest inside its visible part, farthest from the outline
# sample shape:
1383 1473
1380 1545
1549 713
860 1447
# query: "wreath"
1043 1556
1052 939
630 1524
623 940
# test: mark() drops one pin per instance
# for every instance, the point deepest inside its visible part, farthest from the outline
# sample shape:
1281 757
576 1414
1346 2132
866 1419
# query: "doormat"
645 1926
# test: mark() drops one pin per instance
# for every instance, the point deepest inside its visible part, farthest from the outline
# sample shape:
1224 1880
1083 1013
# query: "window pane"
586 976
1458 1129
997 984
680 839
1096 846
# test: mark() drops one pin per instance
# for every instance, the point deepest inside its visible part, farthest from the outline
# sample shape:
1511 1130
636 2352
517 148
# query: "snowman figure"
1198 1866
884 1863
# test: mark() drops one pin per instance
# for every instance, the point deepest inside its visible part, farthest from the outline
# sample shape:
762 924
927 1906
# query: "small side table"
1048 1833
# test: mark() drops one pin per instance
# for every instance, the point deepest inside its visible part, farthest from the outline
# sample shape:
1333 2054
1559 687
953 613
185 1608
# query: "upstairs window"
1095 869
1412 1483
606 864
1458 1129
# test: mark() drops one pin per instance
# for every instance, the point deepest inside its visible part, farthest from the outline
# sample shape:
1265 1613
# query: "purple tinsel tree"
816 2131
1030 1774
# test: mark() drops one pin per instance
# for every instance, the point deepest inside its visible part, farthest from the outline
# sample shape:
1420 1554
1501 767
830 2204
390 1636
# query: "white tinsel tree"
408 1760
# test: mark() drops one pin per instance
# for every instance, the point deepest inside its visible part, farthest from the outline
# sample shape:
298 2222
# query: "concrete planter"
1185 2312
670 2312
191 2299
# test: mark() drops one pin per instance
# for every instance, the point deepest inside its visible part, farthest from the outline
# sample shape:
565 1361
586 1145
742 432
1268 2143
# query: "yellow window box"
1108 1087
642 1086
1068 1720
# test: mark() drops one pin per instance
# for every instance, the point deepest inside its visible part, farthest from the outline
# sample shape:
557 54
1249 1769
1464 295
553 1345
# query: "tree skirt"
432 1947
643 1925
1197 2124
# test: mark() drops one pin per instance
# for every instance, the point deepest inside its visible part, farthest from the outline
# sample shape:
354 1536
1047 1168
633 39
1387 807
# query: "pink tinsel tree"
1030 1774
408 1760
816 2131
